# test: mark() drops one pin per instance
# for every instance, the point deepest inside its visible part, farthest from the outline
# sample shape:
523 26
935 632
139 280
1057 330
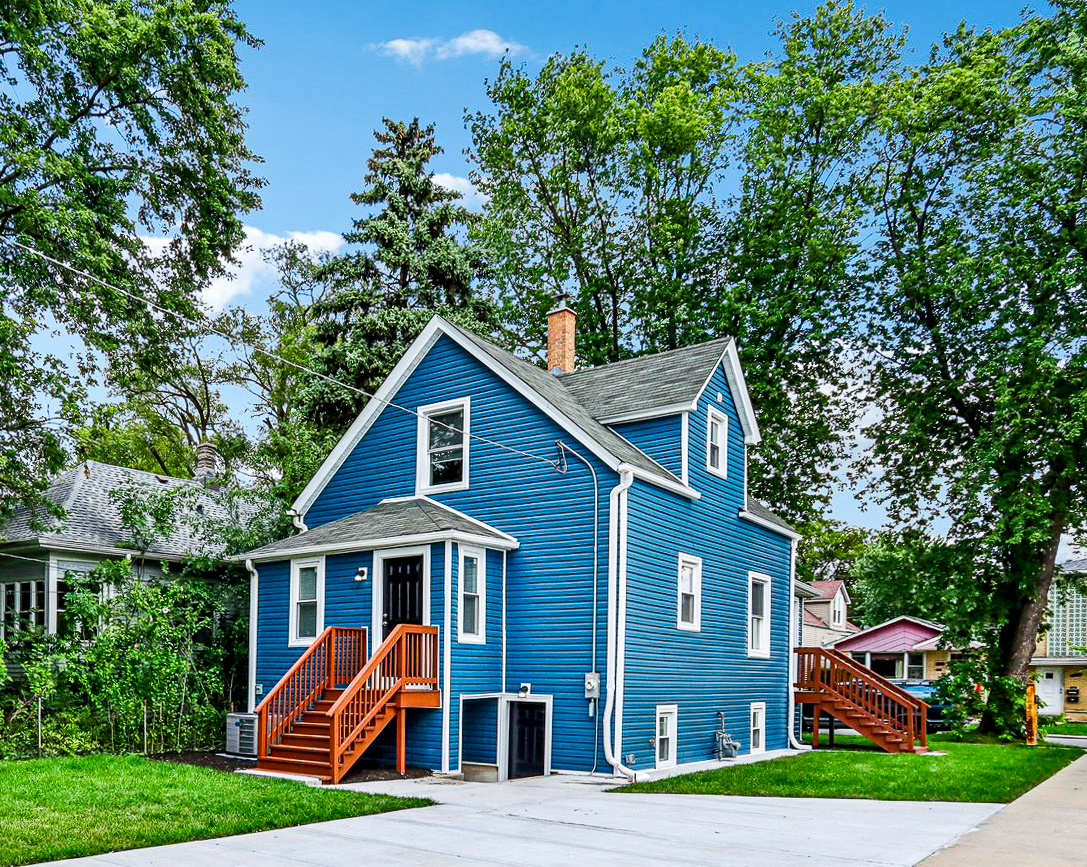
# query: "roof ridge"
645 357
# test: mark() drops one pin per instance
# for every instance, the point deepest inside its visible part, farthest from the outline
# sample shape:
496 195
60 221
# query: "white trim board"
387 542
377 588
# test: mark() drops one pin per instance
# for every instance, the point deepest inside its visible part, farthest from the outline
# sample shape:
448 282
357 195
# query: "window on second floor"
837 611
717 442
758 615
689 593
443 446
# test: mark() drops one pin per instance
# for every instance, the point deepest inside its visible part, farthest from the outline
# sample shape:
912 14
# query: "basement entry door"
401 592
1050 690
528 721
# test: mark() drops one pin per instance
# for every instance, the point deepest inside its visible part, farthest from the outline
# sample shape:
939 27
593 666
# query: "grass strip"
976 772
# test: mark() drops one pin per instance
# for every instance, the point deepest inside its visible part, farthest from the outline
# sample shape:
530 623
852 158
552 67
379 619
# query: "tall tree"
118 118
412 261
977 329
615 185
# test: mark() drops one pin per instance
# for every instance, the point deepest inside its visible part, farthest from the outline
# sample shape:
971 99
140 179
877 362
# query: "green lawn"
62 808
984 772
1066 729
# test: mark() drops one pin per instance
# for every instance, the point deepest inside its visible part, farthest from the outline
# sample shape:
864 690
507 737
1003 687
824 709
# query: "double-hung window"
307 601
837 610
443 446
758 727
717 442
689 593
758 615
473 597
666 735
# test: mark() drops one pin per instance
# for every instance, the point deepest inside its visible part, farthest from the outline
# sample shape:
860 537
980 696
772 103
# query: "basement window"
667 715
758 727
442 462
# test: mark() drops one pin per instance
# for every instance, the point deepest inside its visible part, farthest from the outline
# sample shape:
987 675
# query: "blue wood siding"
480 737
707 671
660 438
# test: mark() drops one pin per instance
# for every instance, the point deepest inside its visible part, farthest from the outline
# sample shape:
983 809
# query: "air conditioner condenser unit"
241 734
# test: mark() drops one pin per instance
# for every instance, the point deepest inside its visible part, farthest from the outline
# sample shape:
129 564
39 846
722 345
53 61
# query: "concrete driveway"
570 820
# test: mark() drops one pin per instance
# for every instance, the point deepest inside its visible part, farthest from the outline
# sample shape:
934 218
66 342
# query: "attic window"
717 442
443 446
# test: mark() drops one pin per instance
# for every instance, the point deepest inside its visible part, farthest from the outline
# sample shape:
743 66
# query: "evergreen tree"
411 261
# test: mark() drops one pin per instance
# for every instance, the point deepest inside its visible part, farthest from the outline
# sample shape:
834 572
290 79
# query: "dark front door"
527 722
402 592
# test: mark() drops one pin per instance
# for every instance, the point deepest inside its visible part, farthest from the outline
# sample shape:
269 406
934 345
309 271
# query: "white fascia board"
674 487
456 512
110 552
647 414
769 525
386 542
374 407
803 590
737 384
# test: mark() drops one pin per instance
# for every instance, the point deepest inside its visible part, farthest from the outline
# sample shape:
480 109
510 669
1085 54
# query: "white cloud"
251 270
415 50
472 198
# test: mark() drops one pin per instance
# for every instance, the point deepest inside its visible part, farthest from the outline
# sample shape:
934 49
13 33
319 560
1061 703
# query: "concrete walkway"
1043 828
571 820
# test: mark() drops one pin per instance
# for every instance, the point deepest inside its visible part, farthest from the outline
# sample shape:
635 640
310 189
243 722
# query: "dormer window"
837 610
443 446
717 442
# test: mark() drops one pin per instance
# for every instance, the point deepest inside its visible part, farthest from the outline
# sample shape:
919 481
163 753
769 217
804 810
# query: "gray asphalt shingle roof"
763 511
551 389
93 520
389 519
646 382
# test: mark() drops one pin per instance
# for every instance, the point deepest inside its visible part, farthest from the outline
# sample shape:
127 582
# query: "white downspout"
616 498
298 521
794 639
252 634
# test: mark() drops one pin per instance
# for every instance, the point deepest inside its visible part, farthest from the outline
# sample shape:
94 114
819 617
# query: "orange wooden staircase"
333 703
869 704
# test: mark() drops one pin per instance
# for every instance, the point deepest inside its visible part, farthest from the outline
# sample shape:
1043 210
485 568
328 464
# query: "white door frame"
377 592
1052 695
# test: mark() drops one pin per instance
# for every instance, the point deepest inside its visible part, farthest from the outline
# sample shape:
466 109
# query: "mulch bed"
362 772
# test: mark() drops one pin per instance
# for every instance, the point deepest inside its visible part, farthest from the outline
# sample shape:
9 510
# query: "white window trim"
696 562
671 710
422 459
714 414
293 640
481 586
762 652
837 610
760 708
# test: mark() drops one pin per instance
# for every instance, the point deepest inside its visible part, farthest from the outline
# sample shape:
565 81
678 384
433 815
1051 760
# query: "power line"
554 464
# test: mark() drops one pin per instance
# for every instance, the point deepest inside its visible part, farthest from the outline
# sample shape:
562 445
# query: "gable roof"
540 388
829 589
404 519
647 382
92 519
661 384
1074 566
902 618
814 619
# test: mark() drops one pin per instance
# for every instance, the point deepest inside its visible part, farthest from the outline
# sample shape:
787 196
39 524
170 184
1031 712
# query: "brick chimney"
208 464
561 336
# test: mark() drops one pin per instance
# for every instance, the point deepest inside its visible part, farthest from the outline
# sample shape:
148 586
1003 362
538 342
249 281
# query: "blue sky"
330 71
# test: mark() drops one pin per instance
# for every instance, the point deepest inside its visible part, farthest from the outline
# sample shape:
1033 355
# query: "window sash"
758 627
306 592
472 597
688 590
445 446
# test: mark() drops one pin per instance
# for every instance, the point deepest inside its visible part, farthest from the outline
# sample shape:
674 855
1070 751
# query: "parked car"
923 690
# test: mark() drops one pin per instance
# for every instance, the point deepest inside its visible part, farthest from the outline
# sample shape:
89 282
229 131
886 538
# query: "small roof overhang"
394 522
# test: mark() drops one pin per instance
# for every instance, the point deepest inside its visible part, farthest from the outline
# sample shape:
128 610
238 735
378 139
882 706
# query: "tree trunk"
1030 616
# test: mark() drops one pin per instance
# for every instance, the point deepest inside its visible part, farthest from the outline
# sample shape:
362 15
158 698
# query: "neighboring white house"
826 616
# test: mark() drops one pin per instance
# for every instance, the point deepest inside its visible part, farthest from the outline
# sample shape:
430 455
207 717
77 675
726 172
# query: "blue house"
503 571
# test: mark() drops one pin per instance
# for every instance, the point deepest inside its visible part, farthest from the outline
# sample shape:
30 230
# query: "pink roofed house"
902 648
